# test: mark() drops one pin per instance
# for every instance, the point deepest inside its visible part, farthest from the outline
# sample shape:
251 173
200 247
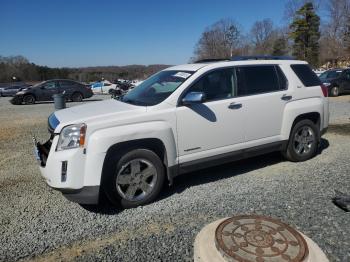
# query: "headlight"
72 136
327 84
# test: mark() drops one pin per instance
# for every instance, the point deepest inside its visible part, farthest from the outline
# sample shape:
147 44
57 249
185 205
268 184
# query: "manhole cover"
257 238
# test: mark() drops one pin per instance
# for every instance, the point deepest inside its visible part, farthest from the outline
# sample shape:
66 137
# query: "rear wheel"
77 97
334 91
135 179
303 141
29 99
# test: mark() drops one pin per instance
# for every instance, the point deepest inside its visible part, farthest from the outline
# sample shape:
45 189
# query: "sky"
77 33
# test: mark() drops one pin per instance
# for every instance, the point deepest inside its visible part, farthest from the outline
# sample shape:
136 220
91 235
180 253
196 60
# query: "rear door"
263 93
67 87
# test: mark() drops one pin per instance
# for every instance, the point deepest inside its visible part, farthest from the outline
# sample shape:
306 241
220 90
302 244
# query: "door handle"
235 105
286 97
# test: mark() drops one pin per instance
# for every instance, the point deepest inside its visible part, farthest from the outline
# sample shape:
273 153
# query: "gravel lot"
39 224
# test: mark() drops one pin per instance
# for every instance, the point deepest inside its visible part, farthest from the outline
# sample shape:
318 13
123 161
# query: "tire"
334 91
303 141
29 100
134 179
77 97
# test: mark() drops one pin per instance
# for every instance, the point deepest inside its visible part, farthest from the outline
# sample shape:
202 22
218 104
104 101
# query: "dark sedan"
337 81
44 91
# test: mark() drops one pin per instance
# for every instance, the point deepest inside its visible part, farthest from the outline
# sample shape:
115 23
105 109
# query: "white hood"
95 110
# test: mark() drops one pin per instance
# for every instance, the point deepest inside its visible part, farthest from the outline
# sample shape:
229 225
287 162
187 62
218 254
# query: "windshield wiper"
132 102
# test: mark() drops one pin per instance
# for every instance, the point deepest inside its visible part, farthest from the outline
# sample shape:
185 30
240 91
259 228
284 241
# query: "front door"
48 90
212 127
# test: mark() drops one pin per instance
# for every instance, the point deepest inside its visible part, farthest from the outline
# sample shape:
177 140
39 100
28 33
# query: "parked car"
182 119
12 90
102 87
44 91
337 81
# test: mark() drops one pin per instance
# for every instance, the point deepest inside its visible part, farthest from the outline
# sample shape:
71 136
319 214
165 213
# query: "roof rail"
261 57
211 60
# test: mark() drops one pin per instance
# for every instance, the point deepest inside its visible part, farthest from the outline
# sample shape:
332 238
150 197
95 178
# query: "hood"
95 110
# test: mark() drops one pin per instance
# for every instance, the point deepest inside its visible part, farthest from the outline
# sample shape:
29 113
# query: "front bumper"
64 171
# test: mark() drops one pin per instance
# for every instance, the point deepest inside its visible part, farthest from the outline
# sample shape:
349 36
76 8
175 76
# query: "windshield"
157 88
330 74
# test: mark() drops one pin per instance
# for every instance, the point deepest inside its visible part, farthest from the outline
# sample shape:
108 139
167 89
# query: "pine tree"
305 32
279 47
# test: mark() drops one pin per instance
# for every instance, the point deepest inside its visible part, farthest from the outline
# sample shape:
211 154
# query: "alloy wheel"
136 179
304 138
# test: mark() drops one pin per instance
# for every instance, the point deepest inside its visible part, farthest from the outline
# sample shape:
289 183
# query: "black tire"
29 100
334 91
301 148
116 165
77 97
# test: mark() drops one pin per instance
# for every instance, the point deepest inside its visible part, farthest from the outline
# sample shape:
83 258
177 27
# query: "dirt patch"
12 182
70 253
340 129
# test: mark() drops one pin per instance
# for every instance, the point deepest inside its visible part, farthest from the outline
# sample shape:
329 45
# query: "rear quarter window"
306 75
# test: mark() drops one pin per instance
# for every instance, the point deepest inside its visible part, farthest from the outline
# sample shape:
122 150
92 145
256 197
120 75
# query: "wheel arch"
77 92
315 117
311 108
153 144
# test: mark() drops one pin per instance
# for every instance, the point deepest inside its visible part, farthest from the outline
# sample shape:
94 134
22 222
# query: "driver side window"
216 85
50 85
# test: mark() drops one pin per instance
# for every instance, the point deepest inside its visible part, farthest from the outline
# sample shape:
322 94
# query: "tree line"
18 68
303 35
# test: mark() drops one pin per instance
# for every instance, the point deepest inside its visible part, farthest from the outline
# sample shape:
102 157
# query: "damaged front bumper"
64 170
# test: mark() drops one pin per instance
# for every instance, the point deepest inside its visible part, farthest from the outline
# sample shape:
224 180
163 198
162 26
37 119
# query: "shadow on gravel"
213 174
340 129
205 176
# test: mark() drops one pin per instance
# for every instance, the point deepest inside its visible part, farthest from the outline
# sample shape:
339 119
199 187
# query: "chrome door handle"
235 105
286 97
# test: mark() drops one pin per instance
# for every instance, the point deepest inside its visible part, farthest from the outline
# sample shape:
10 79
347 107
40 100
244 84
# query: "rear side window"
306 75
259 79
68 84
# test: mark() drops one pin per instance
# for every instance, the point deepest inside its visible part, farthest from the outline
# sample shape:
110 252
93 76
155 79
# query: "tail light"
324 90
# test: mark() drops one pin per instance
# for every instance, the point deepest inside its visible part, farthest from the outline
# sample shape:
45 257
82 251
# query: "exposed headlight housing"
72 136
327 84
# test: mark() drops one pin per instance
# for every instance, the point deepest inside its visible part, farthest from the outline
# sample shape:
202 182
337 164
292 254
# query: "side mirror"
42 87
193 98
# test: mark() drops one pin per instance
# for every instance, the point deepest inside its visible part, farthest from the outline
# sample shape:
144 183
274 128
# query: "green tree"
280 47
305 32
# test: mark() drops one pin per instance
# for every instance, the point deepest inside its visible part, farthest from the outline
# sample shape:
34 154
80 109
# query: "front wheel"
135 179
28 99
303 141
334 91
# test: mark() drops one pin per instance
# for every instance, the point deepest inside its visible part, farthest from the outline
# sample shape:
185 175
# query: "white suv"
181 119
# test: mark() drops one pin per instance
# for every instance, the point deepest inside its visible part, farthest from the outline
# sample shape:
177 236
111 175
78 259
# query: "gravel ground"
39 224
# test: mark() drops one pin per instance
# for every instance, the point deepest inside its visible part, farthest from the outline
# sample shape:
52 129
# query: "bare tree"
333 43
263 35
221 40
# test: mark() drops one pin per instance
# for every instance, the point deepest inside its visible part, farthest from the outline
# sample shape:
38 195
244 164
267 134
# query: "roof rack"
261 57
211 60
